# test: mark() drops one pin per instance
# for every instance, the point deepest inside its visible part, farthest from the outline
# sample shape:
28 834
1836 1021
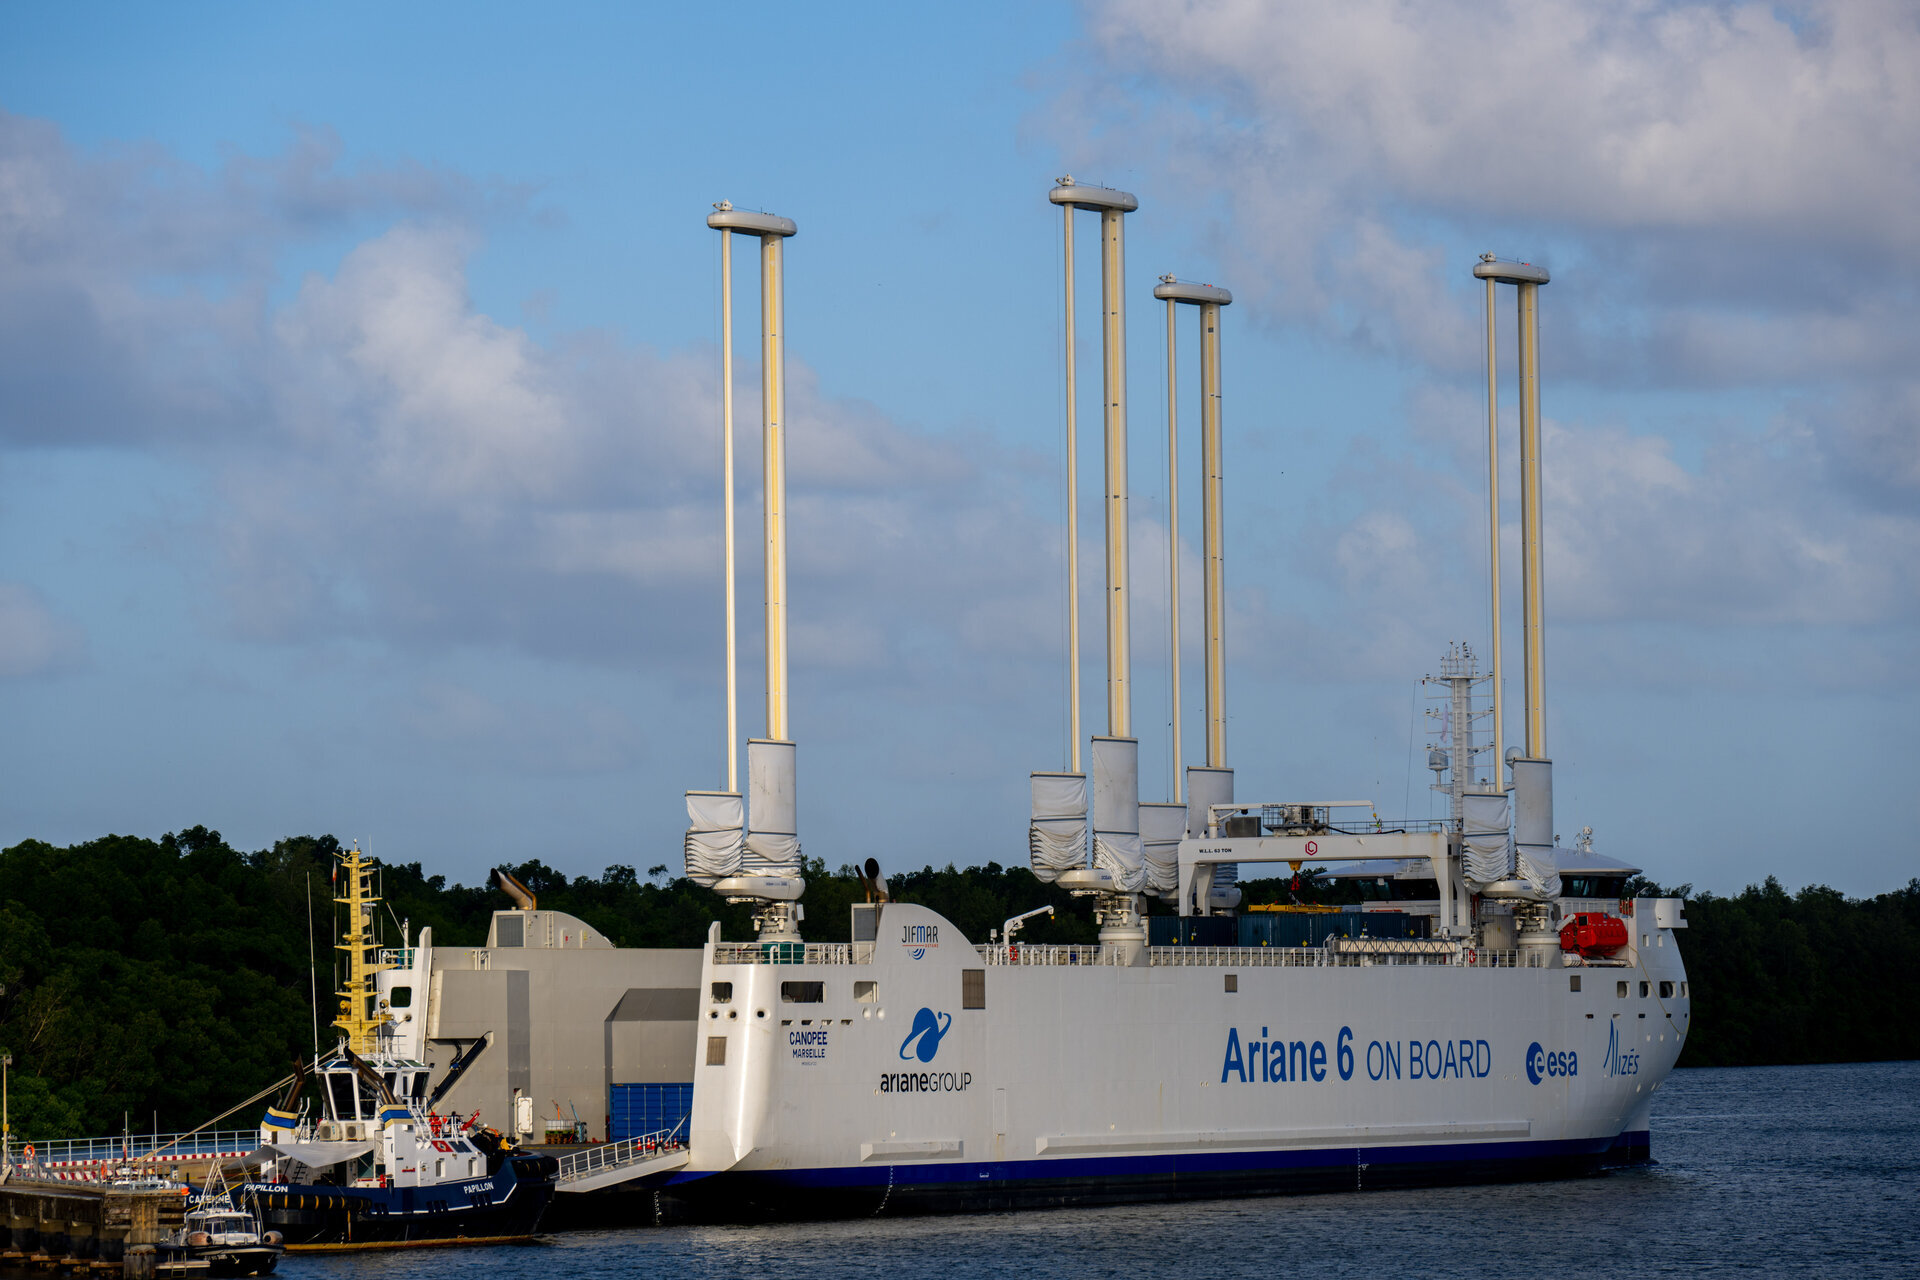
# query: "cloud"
34 641
1722 193
134 287
1728 182
1793 120
394 464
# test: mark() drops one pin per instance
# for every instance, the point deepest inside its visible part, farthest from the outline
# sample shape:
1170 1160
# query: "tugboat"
375 1166
228 1239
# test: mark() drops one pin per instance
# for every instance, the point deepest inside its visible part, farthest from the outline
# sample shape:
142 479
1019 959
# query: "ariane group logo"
924 1040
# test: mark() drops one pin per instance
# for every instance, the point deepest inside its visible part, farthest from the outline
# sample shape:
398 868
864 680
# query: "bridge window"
716 1051
973 988
803 992
1593 886
866 992
723 993
340 1087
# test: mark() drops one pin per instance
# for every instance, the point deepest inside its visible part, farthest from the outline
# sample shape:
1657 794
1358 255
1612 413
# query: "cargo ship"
1496 1007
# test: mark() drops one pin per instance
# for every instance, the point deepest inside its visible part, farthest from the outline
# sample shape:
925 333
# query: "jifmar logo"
1541 1064
922 1043
920 938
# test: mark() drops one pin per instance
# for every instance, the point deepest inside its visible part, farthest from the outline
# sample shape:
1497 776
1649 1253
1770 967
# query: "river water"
1761 1171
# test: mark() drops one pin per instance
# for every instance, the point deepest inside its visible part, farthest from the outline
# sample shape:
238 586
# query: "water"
1762 1171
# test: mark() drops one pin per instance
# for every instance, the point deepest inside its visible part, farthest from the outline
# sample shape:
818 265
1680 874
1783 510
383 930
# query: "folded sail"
1533 826
716 833
1116 813
1537 866
1057 836
1161 826
1208 786
773 840
1487 839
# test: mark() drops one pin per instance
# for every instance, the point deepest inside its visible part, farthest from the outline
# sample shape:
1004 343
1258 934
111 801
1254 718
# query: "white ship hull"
1090 1082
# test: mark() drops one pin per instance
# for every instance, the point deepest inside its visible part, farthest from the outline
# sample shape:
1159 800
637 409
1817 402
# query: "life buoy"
1472 955
28 1151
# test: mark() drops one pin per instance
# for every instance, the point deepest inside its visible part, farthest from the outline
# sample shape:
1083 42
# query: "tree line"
158 982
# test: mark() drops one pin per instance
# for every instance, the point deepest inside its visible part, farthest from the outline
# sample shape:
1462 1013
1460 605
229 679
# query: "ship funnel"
510 885
752 852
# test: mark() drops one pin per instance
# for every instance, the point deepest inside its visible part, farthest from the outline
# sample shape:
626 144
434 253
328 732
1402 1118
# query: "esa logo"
1541 1064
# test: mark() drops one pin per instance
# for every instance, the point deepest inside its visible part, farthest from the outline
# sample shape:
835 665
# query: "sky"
360 413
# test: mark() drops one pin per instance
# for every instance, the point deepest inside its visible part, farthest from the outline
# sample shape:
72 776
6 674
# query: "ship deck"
1347 952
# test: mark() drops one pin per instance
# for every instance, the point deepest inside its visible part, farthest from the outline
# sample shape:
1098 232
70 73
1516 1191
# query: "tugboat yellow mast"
360 1015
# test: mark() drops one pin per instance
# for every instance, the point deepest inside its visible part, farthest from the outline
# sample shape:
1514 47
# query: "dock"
72 1228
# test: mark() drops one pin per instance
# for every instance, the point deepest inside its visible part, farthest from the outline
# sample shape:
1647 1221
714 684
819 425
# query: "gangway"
612 1163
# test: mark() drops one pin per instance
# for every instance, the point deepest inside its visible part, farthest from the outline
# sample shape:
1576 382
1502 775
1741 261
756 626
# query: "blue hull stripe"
1097 1168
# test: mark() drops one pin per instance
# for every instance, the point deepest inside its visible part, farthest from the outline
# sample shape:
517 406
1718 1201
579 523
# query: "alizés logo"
924 1040
1618 1063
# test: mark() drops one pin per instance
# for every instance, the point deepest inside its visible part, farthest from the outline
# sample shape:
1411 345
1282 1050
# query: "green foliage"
1807 977
143 976
172 975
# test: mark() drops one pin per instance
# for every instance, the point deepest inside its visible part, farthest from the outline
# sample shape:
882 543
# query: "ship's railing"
793 953
1348 952
1511 959
397 957
1240 957
1020 954
1396 950
72 1153
613 1155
